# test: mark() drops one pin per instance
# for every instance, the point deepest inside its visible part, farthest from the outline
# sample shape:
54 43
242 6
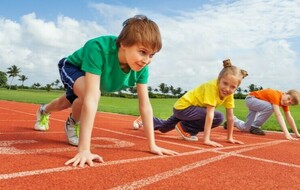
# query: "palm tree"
56 83
13 71
253 87
163 88
36 85
48 87
22 78
3 79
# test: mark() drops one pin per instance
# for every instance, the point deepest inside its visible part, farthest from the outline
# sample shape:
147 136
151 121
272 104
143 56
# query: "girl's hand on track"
162 151
212 143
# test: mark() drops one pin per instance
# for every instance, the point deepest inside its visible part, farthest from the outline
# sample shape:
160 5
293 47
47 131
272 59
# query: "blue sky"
49 9
260 36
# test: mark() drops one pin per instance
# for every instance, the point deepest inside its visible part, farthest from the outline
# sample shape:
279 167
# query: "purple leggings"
192 120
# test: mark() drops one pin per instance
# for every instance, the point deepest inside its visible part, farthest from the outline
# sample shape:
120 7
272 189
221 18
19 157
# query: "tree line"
162 91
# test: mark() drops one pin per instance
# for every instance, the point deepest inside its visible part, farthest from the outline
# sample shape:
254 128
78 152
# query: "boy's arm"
292 123
88 88
147 118
281 122
230 126
207 127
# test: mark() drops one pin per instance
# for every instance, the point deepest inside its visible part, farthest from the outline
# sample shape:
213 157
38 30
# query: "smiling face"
135 57
286 100
227 85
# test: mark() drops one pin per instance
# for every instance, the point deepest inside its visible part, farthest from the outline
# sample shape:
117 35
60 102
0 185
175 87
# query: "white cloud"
35 45
252 33
256 34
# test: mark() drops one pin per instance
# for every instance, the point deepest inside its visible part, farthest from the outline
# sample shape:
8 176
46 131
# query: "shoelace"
44 119
77 129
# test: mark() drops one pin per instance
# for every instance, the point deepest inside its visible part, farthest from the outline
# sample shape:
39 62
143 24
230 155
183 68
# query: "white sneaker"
72 131
42 120
138 123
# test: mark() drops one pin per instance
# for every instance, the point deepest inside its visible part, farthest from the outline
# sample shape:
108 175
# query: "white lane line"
177 171
67 168
6 147
183 169
17 111
188 145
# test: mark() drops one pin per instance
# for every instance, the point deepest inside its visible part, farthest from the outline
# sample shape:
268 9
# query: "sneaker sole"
261 134
39 129
185 138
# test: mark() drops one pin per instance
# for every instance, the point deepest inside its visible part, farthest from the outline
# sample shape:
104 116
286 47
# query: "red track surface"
35 160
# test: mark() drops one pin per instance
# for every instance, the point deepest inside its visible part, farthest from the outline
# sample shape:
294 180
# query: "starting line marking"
6 147
164 175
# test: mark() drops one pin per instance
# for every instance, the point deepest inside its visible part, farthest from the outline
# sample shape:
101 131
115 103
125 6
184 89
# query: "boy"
262 104
110 64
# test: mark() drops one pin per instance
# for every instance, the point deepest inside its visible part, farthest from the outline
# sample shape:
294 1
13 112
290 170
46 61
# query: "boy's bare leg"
57 104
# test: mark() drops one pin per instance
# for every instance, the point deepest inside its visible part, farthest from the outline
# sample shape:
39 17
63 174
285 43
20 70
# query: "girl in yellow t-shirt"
195 111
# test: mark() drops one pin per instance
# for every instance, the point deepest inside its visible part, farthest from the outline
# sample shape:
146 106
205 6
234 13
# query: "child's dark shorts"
69 73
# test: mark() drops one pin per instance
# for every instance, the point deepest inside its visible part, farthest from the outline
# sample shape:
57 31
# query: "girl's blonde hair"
232 70
295 94
140 30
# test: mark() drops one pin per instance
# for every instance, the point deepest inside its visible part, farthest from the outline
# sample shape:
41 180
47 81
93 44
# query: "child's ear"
121 45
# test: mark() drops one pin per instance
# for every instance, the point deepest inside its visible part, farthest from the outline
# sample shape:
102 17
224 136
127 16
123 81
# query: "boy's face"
286 100
137 56
227 85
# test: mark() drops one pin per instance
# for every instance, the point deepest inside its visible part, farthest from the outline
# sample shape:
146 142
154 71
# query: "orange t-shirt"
270 95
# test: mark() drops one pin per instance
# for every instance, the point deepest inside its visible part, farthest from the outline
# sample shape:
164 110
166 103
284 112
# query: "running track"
35 160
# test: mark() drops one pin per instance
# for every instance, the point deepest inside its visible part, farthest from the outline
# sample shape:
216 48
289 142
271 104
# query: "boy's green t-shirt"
100 56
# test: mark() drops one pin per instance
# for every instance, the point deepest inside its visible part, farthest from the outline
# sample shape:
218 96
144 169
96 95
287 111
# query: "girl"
195 111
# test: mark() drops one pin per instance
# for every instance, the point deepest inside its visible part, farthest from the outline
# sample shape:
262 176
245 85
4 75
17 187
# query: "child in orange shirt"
262 104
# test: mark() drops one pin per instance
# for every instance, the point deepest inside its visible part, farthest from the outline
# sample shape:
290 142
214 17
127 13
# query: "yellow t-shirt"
204 95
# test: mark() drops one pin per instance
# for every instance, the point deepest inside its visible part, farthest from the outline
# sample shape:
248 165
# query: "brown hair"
233 70
140 30
295 96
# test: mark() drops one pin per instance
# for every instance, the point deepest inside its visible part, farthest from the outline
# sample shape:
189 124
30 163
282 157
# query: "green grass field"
162 108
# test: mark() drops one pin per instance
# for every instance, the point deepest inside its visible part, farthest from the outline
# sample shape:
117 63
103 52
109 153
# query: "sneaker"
72 131
42 120
257 131
138 123
185 135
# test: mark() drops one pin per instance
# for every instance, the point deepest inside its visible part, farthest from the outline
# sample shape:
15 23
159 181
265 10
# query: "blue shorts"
69 74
